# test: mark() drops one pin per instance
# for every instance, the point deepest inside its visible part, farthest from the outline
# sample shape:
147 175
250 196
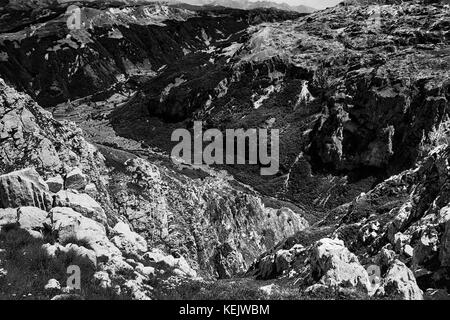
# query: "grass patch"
29 268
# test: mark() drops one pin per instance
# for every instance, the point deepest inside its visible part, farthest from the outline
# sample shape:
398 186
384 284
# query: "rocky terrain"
359 209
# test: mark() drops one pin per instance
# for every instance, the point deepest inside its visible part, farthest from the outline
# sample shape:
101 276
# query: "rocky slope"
359 93
215 225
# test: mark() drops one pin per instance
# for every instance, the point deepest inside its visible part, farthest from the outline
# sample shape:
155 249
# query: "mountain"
358 210
237 4
248 5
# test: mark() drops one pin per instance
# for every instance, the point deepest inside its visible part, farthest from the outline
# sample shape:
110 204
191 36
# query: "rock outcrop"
24 188
332 264
215 224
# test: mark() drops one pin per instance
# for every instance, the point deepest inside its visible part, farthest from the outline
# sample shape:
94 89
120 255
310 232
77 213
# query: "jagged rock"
24 188
130 243
76 180
55 184
399 282
81 203
332 264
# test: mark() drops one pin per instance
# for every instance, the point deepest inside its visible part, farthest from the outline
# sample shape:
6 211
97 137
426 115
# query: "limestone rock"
30 137
31 218
332 264
400 282
178 265
81 203
70 224
130 243
24 188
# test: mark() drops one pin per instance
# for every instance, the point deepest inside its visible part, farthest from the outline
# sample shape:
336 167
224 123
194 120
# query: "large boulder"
129 242
81 203
24 188
332 264
31 218
400 283
72 226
